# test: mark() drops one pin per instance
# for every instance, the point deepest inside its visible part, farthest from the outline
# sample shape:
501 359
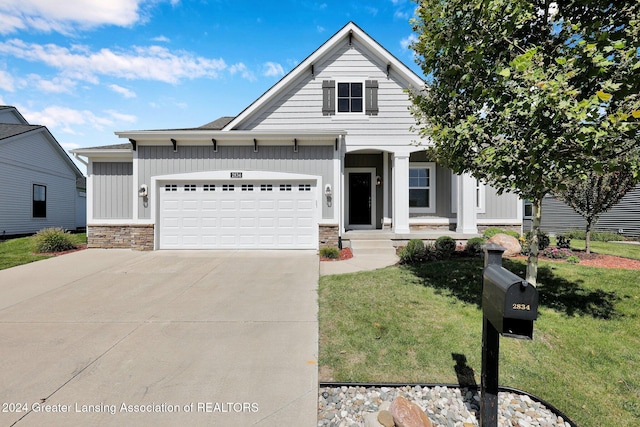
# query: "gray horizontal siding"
557 217
32 160
112 190
300 107
162 160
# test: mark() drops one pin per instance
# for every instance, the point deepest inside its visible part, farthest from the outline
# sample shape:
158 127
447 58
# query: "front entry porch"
401 239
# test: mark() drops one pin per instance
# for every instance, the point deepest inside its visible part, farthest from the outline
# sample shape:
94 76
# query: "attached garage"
237 210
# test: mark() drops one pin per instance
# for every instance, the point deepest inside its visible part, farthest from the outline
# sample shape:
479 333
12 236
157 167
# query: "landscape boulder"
408 414
509 242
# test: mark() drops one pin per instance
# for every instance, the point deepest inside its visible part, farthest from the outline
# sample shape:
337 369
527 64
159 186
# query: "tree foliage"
527 95
593 196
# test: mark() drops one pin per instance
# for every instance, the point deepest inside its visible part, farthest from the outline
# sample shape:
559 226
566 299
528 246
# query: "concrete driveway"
165 338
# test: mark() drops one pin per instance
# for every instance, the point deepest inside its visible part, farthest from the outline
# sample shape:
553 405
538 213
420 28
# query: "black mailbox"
509 302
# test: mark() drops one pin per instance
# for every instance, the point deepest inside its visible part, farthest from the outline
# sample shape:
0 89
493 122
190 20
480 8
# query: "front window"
350 98
39 201
422 188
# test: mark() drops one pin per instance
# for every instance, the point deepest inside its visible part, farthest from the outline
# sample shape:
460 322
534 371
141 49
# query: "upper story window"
39 201
345 97
350 98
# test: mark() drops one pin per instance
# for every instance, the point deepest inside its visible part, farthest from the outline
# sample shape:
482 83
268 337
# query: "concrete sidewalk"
165 338
360 262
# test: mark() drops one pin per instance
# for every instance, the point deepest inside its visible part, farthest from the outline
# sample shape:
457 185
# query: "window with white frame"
350 98
422 187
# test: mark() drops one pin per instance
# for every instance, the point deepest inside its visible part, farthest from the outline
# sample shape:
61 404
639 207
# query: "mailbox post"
509 307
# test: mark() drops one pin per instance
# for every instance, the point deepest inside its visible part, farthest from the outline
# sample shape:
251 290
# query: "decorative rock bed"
359 405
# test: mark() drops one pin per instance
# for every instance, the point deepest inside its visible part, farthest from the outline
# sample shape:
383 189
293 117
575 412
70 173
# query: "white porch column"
467 217
401 193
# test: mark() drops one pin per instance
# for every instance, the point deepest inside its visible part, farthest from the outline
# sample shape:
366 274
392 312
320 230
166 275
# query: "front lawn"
415 324
14 252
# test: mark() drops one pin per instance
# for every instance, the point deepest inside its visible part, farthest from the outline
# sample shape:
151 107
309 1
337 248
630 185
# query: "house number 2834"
523 307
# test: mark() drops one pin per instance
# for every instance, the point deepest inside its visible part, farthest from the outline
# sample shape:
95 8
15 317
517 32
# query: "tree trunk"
588 237
532 260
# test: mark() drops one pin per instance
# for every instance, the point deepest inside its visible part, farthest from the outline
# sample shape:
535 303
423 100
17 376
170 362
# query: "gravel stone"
445 406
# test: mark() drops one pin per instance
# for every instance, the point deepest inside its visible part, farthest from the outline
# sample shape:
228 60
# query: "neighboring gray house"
40 186
326 150
558 217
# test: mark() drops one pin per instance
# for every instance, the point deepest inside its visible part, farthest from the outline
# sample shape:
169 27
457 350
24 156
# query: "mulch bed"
345 253
597 260
76 249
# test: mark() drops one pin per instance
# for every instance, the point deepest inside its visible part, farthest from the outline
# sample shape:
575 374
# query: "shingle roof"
217 124
7 130
124 146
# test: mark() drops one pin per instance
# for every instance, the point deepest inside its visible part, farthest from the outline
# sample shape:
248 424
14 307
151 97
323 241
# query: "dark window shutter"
328 97
371 97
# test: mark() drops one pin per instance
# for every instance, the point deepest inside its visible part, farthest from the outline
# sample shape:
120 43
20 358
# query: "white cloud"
7 82
320 29
371 10
273 69
242 69
161 39
122 91
65 16
144 63
120 117
407 41
399 14
65 119
56 85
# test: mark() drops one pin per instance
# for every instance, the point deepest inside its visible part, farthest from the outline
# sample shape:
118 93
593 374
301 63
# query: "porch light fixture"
378 180
143 191
328 193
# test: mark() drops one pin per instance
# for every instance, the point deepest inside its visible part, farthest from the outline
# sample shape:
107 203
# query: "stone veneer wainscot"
138 237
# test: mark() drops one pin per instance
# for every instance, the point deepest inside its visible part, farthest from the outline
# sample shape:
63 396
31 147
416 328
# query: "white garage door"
232 215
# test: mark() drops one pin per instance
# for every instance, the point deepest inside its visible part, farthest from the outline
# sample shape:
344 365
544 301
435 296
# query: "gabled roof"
16 113
7 130
349 30
218 124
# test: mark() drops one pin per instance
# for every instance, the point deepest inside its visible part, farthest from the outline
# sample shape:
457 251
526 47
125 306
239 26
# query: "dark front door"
360 198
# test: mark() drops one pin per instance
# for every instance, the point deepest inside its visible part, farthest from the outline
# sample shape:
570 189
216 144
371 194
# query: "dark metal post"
490 354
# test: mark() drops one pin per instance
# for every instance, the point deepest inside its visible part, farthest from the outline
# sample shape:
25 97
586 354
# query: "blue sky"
88 68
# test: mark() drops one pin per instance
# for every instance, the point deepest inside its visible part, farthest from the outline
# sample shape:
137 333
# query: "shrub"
413 252
445 246
563 241
330 252
557 253
53 240
543 239
474 246
573 259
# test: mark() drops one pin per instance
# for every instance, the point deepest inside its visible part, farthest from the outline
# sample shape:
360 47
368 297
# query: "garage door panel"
204 216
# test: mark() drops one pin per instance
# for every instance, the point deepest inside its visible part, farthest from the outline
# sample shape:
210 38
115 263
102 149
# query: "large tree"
527 95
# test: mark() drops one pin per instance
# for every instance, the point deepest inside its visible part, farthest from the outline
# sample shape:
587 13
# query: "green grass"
624 250
411 324
14 252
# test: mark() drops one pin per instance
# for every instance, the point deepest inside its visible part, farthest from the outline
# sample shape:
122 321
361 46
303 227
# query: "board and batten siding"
29 160
162 160
300 107
113 190
558 217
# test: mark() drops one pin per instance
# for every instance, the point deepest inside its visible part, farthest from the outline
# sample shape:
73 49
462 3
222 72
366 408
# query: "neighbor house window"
39 201
422 187
350 98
